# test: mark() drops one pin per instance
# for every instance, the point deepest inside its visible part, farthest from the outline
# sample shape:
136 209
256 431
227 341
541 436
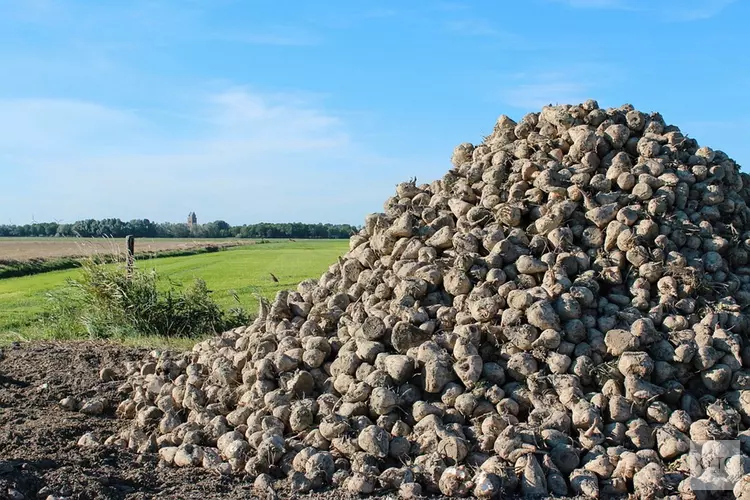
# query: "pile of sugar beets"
561 314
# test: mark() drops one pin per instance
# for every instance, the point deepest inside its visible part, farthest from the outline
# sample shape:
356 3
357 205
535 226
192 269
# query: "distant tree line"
144 228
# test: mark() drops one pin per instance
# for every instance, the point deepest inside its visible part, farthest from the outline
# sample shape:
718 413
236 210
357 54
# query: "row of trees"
144 228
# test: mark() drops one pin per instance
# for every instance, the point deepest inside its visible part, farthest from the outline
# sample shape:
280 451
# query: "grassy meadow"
244 271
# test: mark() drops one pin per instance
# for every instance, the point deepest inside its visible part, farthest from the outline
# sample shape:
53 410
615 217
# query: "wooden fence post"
130 250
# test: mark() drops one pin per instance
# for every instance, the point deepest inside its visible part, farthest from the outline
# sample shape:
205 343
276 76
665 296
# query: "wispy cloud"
48 127
481 28
246 156
697 10
533 89
275 35
592 4
474 27
380 13
667 10
537 94
448 6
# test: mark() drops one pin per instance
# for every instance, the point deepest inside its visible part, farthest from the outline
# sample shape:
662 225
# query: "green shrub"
105 303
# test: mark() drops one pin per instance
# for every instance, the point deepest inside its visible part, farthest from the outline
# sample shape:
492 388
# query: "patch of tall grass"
108 302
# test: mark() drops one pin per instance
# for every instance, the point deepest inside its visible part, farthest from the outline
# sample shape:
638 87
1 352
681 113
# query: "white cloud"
243 157
237 111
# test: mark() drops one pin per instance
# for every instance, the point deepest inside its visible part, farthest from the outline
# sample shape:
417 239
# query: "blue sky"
276 111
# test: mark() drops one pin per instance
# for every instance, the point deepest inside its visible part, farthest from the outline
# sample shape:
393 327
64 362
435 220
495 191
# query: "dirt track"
24 249
39 456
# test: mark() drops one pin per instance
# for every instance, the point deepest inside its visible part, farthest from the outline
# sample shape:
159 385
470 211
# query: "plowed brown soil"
39 456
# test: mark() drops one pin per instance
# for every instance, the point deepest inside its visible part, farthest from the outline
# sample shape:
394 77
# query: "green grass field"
244 270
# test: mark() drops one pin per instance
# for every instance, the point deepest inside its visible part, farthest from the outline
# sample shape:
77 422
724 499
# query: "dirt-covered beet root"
560 313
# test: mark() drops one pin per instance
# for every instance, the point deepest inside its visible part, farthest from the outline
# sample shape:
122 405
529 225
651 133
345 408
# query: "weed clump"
107 302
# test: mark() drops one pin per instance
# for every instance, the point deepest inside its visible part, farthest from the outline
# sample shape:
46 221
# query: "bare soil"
23 249
39 456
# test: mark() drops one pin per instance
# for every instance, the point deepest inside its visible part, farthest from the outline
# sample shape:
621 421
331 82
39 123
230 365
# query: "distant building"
192 220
